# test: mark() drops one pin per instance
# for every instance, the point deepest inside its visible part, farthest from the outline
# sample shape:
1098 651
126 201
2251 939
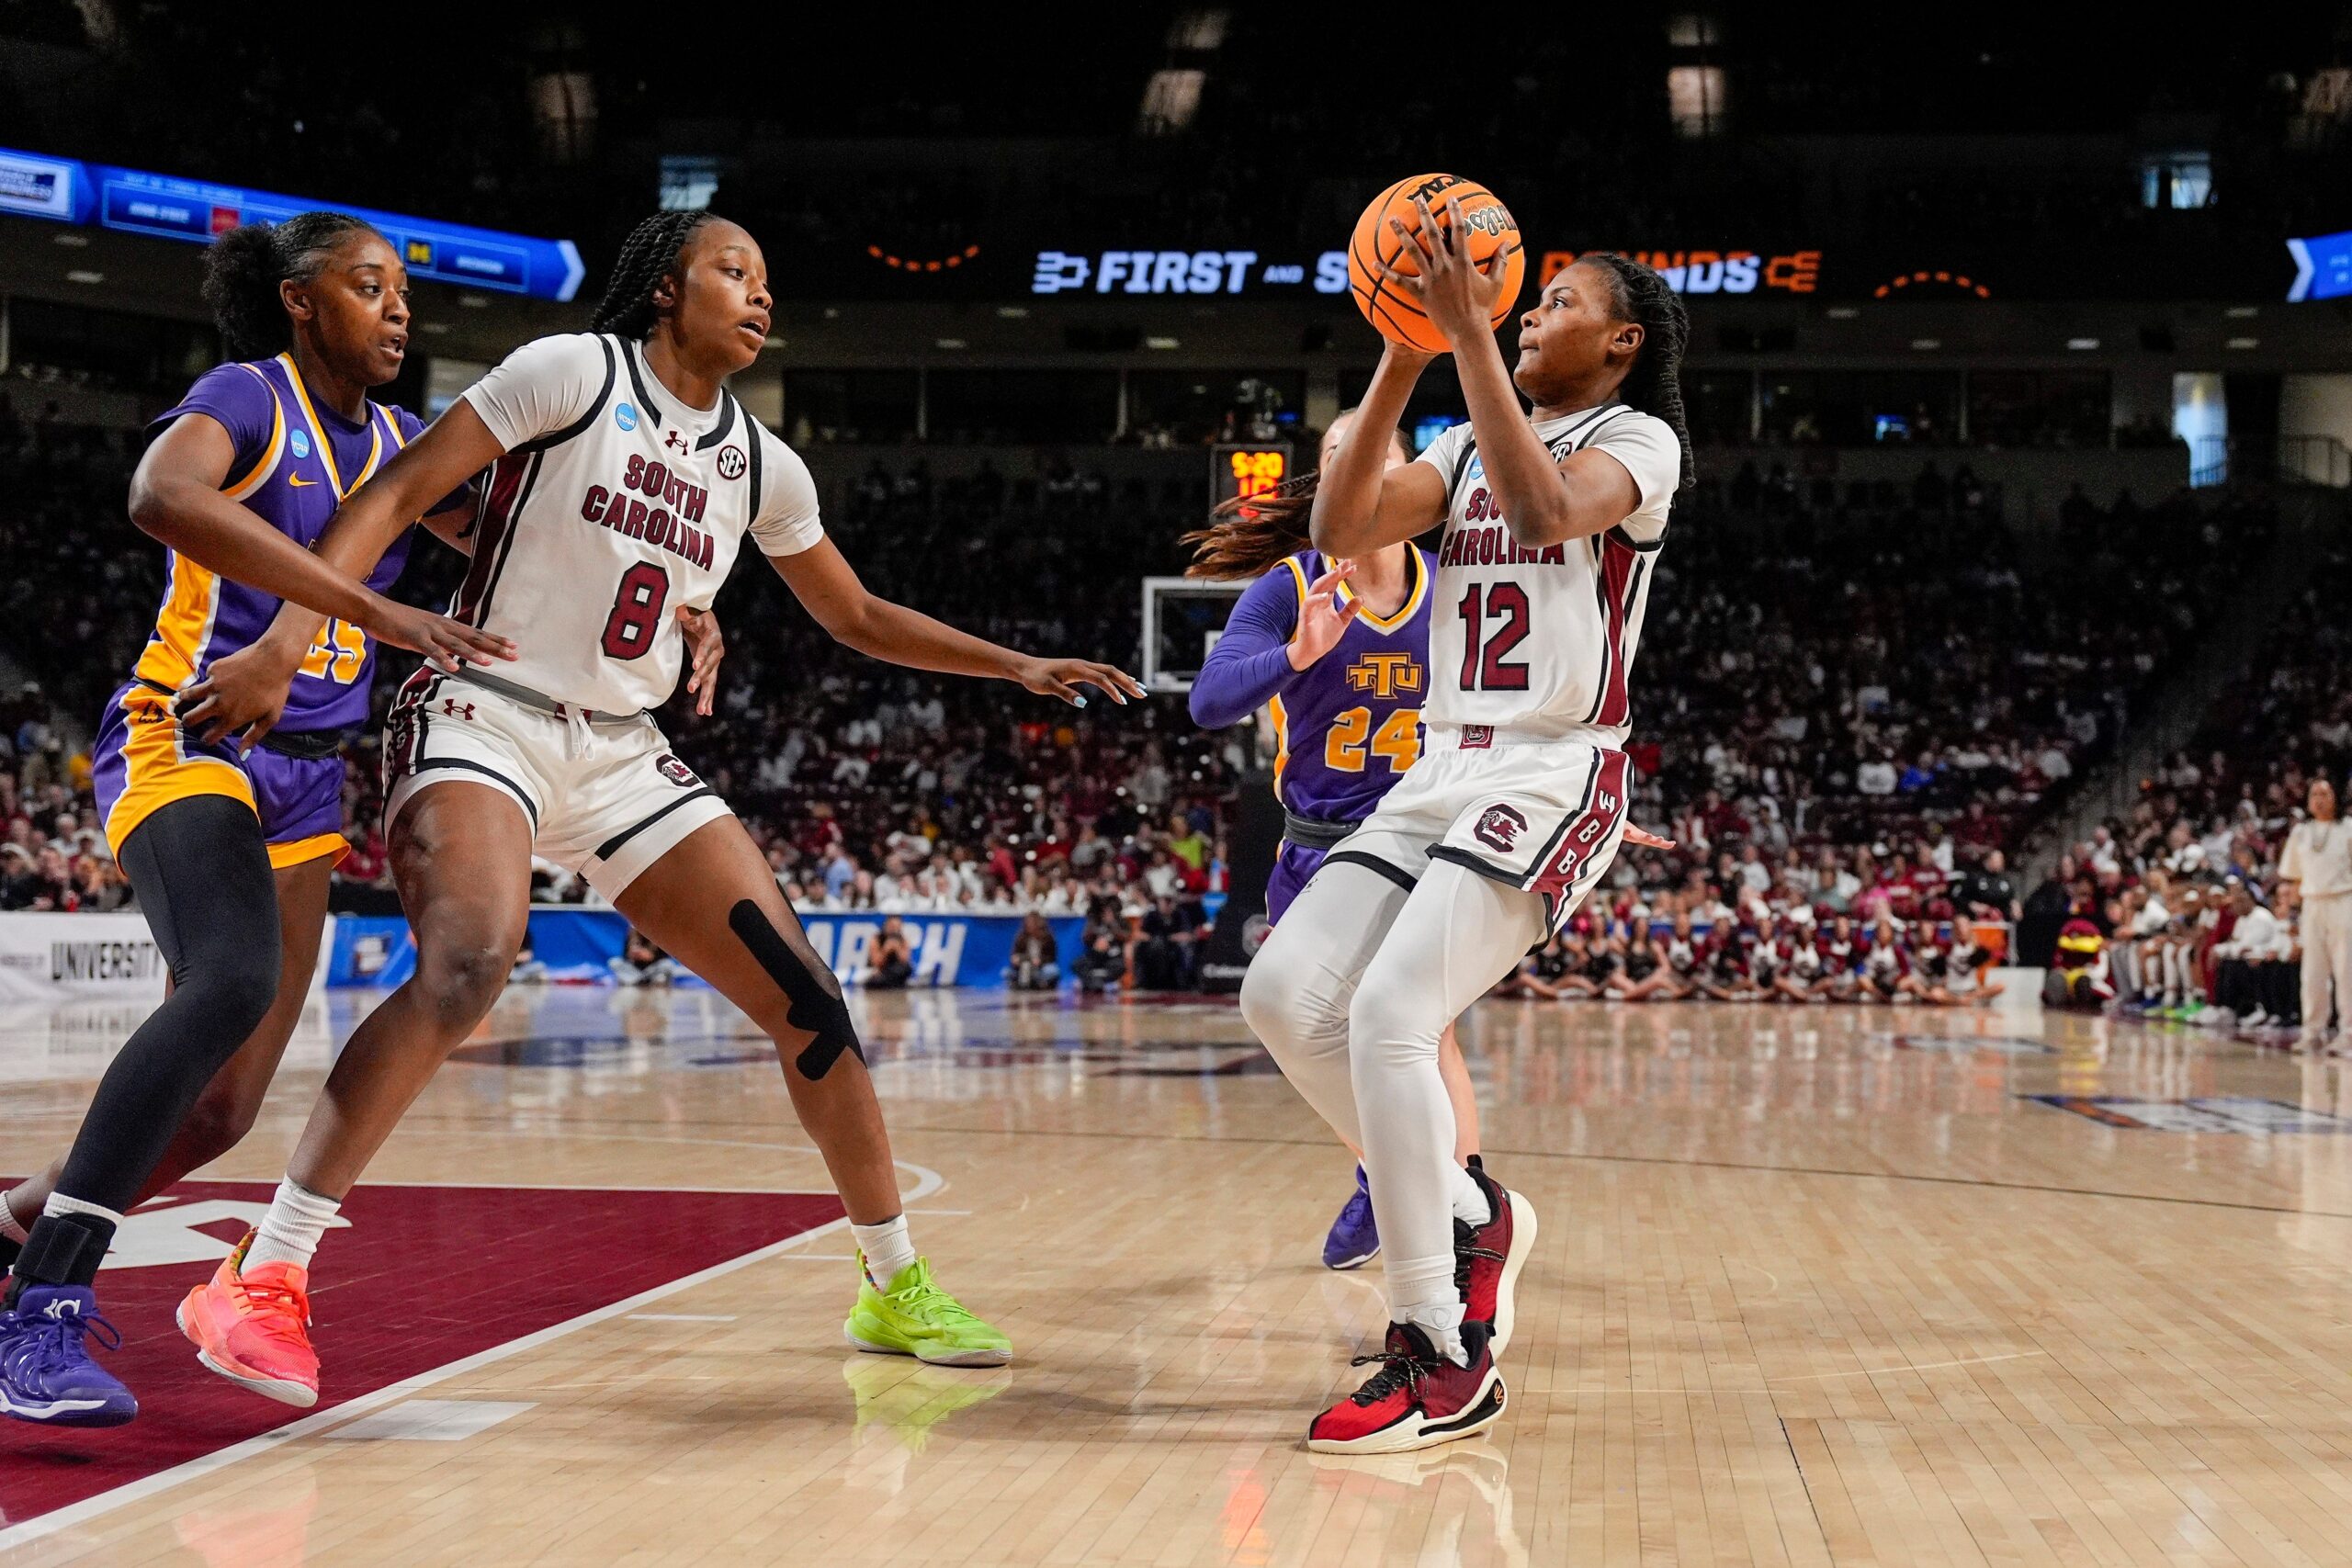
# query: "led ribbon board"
67 190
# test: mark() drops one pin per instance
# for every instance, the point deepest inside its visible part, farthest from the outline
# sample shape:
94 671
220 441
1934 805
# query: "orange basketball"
1394 314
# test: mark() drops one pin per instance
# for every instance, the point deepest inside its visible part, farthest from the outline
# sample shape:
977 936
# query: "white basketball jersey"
1541 642
612 507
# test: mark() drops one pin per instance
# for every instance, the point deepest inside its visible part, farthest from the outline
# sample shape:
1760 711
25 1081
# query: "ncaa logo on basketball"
730 462
624 415
1499 828
677 773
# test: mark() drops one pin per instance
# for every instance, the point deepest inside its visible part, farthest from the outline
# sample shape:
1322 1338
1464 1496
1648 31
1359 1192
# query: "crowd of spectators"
1856 696
2186 888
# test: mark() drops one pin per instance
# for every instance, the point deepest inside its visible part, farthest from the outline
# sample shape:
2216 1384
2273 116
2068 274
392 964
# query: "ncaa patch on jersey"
301 441
624 415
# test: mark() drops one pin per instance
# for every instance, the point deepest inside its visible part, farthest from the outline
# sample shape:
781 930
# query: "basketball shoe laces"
274 1304
1399 1368
1465 1250
54 1342
924 1300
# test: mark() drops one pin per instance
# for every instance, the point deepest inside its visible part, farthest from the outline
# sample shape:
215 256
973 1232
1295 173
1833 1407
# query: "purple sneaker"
46 1373
1354 1240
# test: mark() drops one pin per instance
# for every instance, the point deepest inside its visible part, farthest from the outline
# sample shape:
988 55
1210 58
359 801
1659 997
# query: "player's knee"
231 985
220 1120
460 979
1286 1008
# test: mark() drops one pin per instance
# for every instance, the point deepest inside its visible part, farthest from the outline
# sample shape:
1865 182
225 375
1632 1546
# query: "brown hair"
1248 535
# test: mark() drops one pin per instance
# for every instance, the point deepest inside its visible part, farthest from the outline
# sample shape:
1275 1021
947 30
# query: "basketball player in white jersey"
623 479
1552 526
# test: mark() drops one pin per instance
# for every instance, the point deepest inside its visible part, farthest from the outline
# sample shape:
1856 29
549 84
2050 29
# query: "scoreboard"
1246 469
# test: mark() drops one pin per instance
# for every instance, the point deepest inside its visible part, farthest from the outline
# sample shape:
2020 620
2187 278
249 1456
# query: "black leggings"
201 870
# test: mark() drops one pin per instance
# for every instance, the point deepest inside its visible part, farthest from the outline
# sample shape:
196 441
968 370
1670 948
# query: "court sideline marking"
929 1181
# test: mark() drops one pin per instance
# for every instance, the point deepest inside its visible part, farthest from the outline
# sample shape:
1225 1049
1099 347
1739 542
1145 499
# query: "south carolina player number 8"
637 611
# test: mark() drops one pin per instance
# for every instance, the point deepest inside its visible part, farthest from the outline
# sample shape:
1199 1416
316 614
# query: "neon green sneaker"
915 1317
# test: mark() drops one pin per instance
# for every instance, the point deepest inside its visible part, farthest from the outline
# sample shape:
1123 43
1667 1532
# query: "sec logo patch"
731 463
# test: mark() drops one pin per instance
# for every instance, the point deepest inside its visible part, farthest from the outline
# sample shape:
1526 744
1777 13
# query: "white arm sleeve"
787 522
1647 448
540 388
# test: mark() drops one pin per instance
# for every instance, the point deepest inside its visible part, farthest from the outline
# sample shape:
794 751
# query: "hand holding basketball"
1416 223
1459 297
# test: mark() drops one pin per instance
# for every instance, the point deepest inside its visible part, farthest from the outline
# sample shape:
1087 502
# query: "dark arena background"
1940 1146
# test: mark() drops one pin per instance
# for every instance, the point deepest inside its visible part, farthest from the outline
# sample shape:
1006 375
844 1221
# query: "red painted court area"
389 1304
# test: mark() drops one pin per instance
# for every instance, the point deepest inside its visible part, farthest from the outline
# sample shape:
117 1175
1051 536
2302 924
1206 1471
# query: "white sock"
11 1229
1441 1321
887 1249
59 1204
1469 1199
290 1232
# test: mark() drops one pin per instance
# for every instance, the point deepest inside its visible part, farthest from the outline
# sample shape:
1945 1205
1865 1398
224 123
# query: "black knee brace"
817 1006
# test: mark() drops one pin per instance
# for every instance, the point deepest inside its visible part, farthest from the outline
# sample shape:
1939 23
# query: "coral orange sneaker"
253 1328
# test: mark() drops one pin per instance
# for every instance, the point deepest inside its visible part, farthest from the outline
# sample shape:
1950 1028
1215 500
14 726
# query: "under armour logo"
675 440
456 709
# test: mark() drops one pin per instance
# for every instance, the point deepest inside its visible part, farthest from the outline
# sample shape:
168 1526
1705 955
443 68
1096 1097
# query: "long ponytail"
243 267
1654 385
1247 536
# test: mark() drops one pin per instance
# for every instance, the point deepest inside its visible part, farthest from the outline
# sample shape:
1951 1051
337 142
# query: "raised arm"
1266 643
829 589
1544 502
1361 503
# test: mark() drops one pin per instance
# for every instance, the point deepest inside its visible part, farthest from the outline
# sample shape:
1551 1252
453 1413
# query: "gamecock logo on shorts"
677 773
1499 828
730 462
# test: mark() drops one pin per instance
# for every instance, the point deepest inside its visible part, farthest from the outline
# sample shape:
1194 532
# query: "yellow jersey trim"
319 434
1282 742
271 454
1420 591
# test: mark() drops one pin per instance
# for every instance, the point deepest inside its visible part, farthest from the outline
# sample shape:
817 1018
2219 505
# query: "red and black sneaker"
1487 1258
1417 1400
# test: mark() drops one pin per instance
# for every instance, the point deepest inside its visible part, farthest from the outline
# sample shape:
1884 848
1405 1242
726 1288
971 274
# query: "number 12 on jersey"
1494 621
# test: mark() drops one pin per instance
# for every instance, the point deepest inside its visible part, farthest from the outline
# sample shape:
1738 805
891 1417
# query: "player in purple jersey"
228 848
1310 640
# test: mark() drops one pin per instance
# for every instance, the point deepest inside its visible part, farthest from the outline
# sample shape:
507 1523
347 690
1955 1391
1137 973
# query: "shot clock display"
1248 470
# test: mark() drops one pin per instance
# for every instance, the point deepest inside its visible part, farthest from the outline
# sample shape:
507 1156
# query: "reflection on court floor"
1813 1285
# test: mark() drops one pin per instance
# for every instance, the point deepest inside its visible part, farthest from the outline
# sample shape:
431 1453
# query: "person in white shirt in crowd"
2249 967
2318 862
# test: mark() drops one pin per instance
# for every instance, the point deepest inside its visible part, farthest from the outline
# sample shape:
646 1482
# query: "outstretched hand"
1322 623
1063 677
706 646
1455 293
1647 839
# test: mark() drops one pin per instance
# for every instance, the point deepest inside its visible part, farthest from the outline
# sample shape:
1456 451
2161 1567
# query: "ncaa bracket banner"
577 946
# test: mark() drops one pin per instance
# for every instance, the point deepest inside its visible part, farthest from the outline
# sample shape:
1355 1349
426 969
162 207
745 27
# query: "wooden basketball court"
1815 1286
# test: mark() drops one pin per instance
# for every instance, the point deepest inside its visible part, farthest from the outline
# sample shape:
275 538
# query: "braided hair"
1654 385
1247 534
243 267
648 254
